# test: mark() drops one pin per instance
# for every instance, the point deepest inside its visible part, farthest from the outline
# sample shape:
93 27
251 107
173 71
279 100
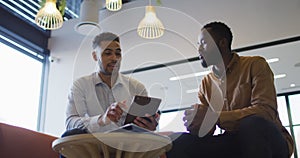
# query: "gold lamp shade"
113 5
49 17
150 27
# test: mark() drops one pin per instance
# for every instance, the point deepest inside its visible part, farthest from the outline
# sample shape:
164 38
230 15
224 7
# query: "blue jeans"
73 132
255 138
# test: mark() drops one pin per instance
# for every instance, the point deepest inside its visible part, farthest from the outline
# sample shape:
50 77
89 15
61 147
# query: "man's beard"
104 72
203 63
212 58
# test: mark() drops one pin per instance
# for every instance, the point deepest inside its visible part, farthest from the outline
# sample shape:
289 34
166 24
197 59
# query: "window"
295 109
20 84
282 110
297 137
172 121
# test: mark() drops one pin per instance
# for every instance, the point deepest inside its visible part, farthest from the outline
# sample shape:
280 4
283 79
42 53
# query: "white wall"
252 22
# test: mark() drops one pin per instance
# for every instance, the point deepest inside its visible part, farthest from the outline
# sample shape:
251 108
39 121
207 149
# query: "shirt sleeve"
262 96
76 112
76 108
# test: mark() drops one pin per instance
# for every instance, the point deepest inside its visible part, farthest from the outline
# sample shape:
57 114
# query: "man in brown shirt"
239 97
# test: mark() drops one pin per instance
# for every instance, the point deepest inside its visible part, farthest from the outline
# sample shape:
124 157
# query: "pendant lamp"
49 17
150 27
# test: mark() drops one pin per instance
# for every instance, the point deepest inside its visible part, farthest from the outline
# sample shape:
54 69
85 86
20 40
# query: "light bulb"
113 5
50 7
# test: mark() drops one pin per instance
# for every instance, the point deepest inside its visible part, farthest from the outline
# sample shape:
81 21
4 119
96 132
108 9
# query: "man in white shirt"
97 102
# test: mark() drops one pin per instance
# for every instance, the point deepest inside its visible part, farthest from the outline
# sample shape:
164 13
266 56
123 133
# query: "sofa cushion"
17 142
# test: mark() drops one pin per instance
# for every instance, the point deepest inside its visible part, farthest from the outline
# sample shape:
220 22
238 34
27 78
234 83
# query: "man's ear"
224 42
94 54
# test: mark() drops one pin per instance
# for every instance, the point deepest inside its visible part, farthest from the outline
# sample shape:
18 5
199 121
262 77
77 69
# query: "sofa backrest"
17 142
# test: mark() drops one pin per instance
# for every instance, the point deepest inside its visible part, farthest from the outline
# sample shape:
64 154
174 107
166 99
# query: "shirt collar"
119 80
98 80
233 61
229 67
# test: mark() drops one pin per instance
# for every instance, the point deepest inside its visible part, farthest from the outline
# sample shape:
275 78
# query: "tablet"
140 106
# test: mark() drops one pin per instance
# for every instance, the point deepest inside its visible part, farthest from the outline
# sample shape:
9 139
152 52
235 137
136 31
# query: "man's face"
110 57
208 50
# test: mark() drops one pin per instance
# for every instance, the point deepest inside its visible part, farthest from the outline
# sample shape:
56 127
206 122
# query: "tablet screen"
140 106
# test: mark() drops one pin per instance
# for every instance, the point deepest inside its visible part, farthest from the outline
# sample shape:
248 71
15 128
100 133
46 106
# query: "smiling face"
209 53
110 57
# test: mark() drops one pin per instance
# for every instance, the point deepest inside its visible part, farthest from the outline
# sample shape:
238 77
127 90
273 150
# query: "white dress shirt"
89 98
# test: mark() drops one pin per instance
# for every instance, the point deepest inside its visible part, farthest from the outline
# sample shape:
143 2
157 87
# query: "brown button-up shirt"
249 90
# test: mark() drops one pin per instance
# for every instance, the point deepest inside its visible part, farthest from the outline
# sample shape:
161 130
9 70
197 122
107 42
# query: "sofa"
17 142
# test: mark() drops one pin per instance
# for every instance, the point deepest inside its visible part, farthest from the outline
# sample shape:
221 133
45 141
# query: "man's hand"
113 113
194 118
150 122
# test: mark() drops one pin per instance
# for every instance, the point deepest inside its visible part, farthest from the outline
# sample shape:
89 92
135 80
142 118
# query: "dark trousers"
255 138
73 132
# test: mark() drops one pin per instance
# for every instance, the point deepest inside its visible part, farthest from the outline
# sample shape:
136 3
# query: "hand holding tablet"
140 106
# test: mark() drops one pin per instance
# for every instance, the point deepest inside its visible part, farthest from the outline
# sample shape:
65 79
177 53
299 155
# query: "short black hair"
105 36
220 30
